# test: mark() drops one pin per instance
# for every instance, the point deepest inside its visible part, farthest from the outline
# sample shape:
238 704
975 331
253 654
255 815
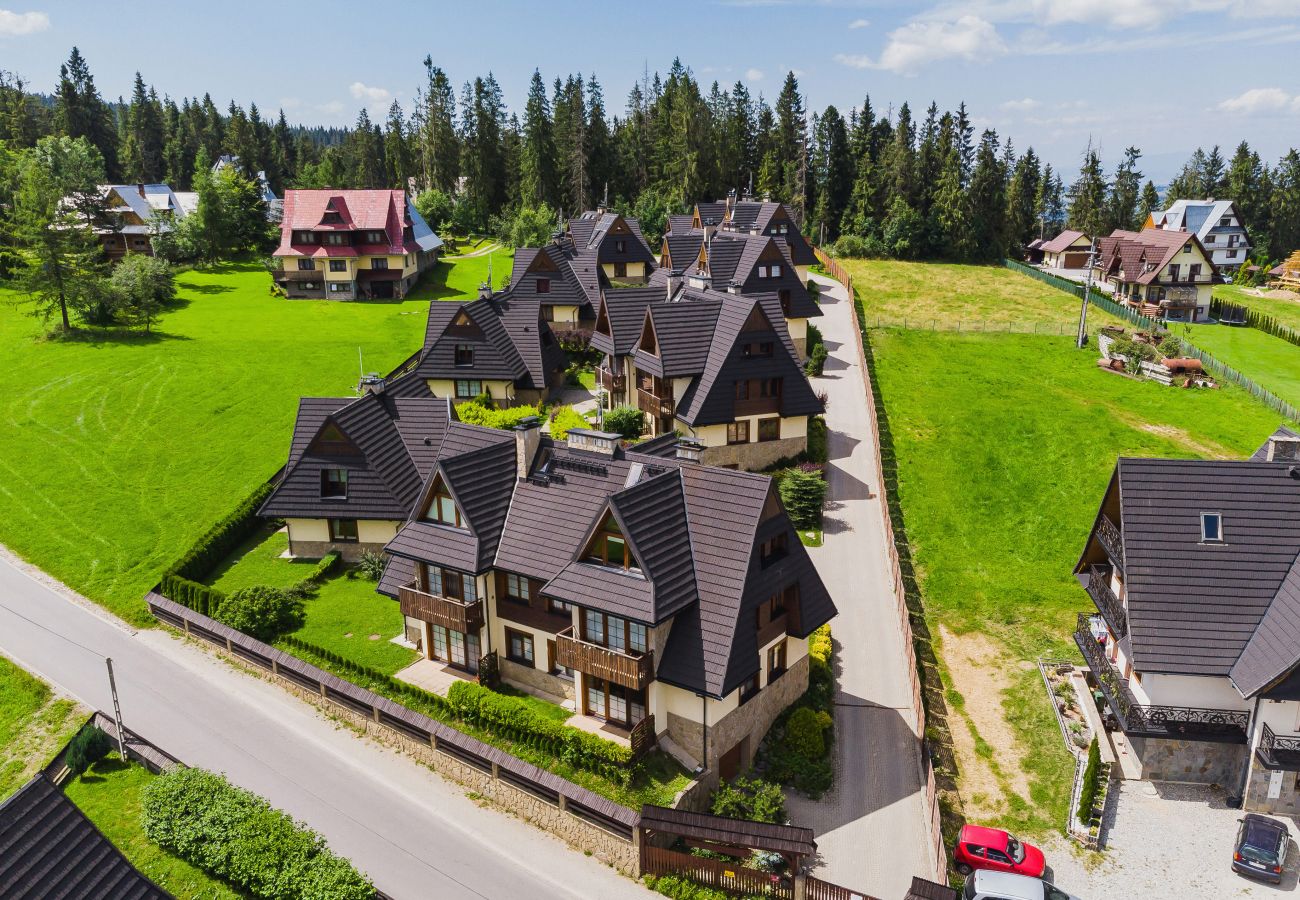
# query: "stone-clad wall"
536 680
755 455
1200 762
350 550
1288 801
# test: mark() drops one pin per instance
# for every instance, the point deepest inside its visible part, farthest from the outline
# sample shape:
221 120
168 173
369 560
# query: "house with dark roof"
355 467
1164 274
1193 567
48 848
650 593
133 213
747 216
1216 223
1068 250
718 366
500 345
352 245
616 241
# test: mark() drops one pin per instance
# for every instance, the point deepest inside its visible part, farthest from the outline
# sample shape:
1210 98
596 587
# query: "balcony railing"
1185 278
610 381
449 612
1279 752
611 665
1137 719
757 406
1111 540
653 403
1107 603
300 275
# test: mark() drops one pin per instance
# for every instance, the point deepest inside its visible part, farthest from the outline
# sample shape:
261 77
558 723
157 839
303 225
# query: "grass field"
109 793
34 726
116 452
1270 361
1286 310
1004 445
462 277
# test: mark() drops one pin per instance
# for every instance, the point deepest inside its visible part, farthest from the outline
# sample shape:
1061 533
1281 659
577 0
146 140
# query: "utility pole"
117 710
1087 290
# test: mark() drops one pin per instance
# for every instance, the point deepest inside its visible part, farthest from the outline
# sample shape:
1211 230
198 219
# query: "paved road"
871 830
414 833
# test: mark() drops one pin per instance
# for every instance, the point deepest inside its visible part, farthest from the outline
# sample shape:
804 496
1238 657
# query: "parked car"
1260 851
986 885
995 850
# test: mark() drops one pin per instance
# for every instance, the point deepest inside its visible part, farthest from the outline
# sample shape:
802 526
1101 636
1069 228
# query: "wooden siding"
445 611
592 659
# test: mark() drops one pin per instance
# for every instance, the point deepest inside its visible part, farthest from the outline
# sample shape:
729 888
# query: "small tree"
435 207
750 798
87 747
1091 776
261 611
627 421
803 492
530 226
144 285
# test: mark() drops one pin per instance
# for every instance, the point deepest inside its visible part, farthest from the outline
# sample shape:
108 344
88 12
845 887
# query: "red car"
994 849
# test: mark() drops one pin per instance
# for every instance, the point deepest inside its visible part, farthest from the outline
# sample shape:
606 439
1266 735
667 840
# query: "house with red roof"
1164 274
352 245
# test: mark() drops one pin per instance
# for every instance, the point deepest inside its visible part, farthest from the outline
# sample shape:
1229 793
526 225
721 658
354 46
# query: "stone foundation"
536 681
1196 762
1288 800
350 550
755 455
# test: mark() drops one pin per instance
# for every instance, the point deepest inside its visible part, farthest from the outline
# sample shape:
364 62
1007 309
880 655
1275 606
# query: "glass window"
762 271
559 607
593 626
1211 528
519 647
339 287
742 390
636 640
464 355
334 484
772 549
336 239
468 389
306 265
738 432
543 285
776 661
776 271
379 262
516 587
338 265
343 529
440 642
433 577
443 509
769 429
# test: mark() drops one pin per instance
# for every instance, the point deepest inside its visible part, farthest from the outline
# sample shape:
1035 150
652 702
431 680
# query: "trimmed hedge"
238 836
1091 783
221 539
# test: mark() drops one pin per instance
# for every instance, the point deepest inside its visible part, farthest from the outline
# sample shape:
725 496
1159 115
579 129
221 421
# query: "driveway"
1167 840
414 833
871 829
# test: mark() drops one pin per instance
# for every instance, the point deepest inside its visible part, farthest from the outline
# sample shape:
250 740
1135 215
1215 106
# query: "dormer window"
609 547
375 237
443 508
336 238
464 355
1187 248
334 484
757 349
620 246
772 550
304 237
1211 528
543 285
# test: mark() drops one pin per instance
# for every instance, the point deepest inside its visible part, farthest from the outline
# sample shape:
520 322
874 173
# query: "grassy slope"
110 796
1286 311
34 726
1004 444
1269 361
116 452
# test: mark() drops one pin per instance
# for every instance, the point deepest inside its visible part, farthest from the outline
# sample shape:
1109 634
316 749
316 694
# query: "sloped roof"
1062 241
1139 256
1199 217
49 849
684 333
387 212
509 338
625 310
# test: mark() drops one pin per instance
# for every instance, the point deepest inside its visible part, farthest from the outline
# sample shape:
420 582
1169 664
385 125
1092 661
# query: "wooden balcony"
757 406
654 404
1112 540
445 611
538 617
296 274
612 665
610 381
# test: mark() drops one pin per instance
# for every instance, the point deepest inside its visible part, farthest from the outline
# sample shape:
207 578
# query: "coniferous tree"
1088 197
600 144
1149 202
1284 207
1023 192
1247 187
397 148
1123 200
435 131
792 141
80 111
988 201
537 182
835 174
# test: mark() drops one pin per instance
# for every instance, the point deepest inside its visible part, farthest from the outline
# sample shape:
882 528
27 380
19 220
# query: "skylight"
1211 528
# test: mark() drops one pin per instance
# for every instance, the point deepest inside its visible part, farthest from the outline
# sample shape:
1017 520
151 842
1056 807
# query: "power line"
57 634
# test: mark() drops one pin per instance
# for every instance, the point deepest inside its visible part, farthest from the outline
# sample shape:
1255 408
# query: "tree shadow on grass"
96 337
193 288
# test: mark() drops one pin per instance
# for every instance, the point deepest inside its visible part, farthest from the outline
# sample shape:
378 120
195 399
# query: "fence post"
800 886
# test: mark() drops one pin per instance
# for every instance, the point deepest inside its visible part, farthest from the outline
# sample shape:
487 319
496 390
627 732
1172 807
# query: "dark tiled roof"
680 224
600 231
49 849
1261 455
509 339
625 310
685 333
684 249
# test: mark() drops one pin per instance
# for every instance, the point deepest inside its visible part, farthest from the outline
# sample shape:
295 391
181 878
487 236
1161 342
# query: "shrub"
804 732
236 835
851 245
803 494
816 360
625 420
562 419
261 611
1091 778
679 888
1171 347
480 412
371 565
87 747
749 798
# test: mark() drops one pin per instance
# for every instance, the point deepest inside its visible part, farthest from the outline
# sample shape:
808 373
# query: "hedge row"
202 599
1256 319
181 582
321 569
236 835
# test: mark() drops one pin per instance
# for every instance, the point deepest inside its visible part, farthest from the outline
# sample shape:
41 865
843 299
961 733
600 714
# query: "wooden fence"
547 786
724 875
939 854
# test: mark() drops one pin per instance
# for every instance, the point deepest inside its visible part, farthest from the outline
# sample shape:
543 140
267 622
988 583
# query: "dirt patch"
1180 437
990 757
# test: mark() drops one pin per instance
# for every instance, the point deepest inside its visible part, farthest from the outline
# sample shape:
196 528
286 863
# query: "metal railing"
1110 606
1111 539
1279 752
1185 722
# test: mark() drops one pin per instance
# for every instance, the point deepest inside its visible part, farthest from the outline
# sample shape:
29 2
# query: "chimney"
734 287
674 283
1283 449
699 281
689 450
139 188
528 437
484 290
602 442
373 383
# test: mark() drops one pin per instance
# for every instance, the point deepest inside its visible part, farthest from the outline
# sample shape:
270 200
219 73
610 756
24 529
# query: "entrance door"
381 290
729 763
464 650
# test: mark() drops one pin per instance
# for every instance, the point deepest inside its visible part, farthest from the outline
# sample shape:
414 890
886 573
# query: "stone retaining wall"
350 551
755 455
1288 801
1197 762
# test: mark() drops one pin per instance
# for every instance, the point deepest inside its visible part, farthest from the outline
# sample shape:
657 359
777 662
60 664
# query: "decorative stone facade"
350 550
756 455
536 681
1198 762
1288 800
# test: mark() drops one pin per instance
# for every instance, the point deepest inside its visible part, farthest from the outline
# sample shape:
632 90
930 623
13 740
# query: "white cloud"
753 74
372 94
1022 105
1106 13
14 24
1260 101
859 23
918 43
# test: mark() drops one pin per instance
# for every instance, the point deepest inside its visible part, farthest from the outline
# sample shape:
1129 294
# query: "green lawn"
1269 361
110 796
1281 307
461 277
117 451
34 726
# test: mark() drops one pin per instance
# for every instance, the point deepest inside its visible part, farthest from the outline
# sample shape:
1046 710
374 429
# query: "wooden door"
729 763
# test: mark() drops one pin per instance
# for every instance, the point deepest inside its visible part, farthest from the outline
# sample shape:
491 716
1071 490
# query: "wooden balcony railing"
445 611
300 275
1279 752
610 381
653 403
642 736
1111 540
612 665
1141 720
757 406
1107 603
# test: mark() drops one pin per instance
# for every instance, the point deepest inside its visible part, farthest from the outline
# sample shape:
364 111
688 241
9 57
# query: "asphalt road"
415 834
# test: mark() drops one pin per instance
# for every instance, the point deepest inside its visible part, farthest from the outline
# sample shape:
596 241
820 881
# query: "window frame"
379 263
333 477
769 429
338 265
628 636
777 660
468 382
738 432
464 357
543 285
436 511
306 265
1217 519
775 548
527 646
338 537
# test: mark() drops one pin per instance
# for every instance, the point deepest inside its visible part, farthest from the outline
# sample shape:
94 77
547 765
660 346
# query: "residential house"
1165 274
654 594
1216 224
1194 570
616 241
135 212
499 346
748 216
1068 250
1034 252
355 468
352 245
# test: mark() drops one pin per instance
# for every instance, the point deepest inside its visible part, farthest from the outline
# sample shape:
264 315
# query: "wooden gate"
726 876
816 889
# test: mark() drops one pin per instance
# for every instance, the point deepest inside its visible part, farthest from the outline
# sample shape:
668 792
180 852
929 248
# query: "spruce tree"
1088 197
537 148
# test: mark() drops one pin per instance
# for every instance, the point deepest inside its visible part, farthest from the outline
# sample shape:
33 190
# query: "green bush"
87 747
478 412
625 420
236 835
371 565
803 493
804 732
202 599
818 451
1091 783
679 888
816 363
563 418
261 611
749 798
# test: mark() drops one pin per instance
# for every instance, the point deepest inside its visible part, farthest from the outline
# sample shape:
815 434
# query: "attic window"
464 355
334 484
620 246
543 285
772 549
443 508
1211 528
609 547
375 237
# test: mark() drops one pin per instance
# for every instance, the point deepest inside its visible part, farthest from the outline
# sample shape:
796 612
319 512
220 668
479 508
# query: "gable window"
610 548
1187 248
464 355
336 238
543 285
519 647
776 661
738 432
334 484
769 387
769 429
620 246
338 265
468 389
762 271
375 237
343 530
772 549
613 632
304 237
1211 528
742 390
783 296
1225 221
775 270
306 265
757 349
379 262
443 508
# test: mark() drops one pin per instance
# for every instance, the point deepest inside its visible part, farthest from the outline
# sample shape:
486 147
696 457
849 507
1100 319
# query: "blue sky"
1164 75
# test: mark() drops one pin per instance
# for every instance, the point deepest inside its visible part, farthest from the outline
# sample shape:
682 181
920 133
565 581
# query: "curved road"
414 833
